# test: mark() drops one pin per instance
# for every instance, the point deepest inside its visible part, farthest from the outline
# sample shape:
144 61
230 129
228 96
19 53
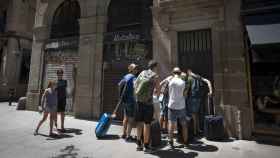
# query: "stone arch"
52 6
65 20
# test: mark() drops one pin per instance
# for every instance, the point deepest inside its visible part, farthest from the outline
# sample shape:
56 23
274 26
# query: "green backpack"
144 86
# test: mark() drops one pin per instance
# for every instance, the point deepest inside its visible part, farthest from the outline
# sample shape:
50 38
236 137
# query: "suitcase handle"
119 102
210 105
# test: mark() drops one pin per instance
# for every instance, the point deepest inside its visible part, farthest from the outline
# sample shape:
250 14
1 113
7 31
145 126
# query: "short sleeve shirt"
129 91
61 89
176 89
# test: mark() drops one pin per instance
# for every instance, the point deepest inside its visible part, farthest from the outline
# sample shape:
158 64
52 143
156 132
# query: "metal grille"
195 52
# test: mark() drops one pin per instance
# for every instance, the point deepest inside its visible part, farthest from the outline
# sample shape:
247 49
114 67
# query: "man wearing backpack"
195 96
126 90
146 84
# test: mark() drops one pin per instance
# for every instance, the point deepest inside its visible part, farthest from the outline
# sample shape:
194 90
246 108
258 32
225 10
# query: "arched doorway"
61 50
65 20
127 40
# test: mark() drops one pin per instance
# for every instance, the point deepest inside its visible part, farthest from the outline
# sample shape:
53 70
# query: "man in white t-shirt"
177 105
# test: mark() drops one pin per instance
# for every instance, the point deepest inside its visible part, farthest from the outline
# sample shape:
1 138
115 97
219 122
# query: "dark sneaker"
139 146
123 136
62 130
149 150
129 139
171 143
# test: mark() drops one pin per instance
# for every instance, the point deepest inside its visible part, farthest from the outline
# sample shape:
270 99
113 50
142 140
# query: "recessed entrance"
61 50
127 40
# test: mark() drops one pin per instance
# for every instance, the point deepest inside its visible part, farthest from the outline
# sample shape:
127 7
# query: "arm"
208 84
44 98
157 86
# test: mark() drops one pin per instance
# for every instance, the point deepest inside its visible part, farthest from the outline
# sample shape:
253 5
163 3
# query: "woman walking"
49 105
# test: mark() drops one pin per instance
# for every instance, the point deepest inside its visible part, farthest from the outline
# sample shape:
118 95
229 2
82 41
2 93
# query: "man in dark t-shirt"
61 96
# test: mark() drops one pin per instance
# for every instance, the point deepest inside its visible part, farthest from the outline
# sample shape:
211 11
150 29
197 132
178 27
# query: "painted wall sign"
122 36
126 37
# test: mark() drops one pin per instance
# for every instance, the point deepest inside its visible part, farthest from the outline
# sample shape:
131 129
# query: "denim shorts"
129 109
193 105
163 109
174 115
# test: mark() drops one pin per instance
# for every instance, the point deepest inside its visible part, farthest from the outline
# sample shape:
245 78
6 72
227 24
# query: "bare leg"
165 123
45 116
52 117
195 123
161 121
147 128
55 120
62 118
139 130
185 132
129 126
125 121
171 128
139 136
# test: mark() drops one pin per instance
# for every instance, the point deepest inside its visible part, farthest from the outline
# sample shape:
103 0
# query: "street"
17 141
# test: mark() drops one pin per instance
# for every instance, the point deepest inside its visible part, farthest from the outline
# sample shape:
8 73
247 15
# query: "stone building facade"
16 20
225 64
206 36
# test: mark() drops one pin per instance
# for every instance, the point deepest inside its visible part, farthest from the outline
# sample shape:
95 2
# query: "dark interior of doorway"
195 53
265 80
127 40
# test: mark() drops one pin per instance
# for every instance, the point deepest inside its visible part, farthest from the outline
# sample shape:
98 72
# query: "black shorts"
144 113
61 104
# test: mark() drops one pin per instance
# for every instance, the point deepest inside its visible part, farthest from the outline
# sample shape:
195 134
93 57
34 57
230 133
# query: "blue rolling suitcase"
103 125
105 121
213 124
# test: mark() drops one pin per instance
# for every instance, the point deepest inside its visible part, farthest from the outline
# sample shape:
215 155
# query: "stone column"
163 46
235 88
36 68
83 106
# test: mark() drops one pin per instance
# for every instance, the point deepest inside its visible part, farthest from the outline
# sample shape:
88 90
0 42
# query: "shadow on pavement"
174 153
225 140
56 136
72 130
202 147
68 152
110 137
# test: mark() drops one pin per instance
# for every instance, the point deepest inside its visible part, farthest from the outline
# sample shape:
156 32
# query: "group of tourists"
53 102
178 96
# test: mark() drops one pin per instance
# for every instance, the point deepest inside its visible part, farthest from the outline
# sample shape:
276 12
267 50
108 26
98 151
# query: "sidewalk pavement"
17 141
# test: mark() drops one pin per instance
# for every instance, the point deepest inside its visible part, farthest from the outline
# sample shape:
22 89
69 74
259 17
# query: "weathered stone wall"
89 71
20 20
229 67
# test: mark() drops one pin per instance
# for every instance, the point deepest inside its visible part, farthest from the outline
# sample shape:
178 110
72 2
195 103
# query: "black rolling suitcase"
155 135
213 124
